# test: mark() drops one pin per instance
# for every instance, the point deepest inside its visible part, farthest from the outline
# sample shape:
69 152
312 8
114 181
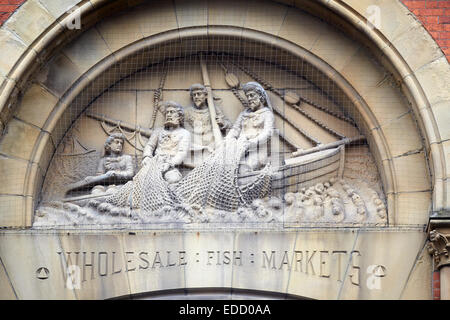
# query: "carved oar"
212 110
233 81
329 145
129 127
293 100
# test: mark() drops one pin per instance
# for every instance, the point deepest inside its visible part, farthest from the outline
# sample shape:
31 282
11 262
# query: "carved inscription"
335 265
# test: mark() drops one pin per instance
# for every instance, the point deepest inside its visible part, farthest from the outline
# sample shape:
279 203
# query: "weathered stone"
266 16
212 265
19 140
441 112
418 285
155 17
258 249
297 20
30 21
384 273
120 31
411 173
413 208
331 41
28 279
390 17
12 49
417 47
12 211
36 105
362 72
7 292
13 173
191 14
399 143
386 103
58 75
101 265
446 148
157 261
434 78
58 8
344 262
230 13
319 264
88 50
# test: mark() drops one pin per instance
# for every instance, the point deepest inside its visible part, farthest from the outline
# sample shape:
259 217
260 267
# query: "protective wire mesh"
310 110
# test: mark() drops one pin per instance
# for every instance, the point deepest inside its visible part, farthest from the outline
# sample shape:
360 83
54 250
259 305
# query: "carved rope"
269 87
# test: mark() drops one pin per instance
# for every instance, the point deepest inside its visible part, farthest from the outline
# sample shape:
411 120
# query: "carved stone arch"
389 179
28 139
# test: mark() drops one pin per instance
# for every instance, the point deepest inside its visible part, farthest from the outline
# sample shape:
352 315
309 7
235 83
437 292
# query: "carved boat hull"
303 171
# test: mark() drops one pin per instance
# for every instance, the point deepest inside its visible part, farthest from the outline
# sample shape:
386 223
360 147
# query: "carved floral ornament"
439 247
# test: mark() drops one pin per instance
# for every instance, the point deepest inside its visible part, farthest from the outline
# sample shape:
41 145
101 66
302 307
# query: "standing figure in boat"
218 183
164 152
254 127
198 122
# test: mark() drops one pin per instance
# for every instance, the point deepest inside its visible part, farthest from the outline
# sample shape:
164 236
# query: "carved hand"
145 161
165 167
219 121
111 174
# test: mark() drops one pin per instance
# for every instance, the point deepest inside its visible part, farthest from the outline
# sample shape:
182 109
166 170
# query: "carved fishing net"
215 183
66 169
147 191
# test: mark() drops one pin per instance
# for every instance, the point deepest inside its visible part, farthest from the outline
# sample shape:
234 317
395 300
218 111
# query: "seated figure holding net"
114 168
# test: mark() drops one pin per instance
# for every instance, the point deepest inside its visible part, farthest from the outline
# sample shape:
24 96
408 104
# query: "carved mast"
212 110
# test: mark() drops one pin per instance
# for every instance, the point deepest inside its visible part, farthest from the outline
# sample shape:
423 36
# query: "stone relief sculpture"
166 149
190 174
113 168
216 182
198 122
254 126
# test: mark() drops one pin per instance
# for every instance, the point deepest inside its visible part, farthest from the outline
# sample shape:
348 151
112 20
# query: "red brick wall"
7 7
434 14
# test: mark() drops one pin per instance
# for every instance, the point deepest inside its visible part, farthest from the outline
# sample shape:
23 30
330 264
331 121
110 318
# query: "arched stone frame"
407 68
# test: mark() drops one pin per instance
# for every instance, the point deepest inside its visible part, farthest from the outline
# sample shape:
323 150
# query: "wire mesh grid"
310 110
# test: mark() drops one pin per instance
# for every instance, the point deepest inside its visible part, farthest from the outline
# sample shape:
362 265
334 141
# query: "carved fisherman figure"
114 168
114 163
169 145
166 149
254 126
198 122
215 183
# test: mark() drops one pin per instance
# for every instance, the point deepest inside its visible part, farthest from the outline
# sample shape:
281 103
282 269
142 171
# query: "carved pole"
328 146
129 127
157 96
212 110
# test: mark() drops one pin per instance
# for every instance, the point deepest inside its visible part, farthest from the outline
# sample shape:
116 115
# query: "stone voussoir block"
12 49
29 21
36 105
